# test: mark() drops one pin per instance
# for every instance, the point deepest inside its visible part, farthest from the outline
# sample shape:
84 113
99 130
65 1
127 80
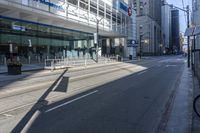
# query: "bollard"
29 60
39 59
45 63
5 62
52 66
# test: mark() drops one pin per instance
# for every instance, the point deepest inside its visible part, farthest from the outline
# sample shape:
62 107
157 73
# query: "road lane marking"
142 72
171 65
8 115
66 103
31 121
33 102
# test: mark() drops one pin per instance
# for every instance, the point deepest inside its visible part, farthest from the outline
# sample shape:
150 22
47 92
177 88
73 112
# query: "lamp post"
188 38
140 40
140 46
97 38
161 45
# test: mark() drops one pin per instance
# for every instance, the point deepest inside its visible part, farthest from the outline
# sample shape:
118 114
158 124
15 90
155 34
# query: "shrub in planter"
14 68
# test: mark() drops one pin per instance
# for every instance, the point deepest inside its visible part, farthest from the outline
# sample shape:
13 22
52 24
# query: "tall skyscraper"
166 27
175 31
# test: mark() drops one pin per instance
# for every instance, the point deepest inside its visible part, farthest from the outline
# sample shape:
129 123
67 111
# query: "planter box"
14 69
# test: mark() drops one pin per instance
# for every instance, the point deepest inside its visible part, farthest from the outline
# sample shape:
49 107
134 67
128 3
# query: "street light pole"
188 38
97 37
140 46
97 45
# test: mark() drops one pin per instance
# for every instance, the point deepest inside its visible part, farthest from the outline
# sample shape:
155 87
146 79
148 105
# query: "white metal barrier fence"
64 63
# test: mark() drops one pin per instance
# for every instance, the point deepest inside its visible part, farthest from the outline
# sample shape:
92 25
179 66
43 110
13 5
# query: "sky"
183 24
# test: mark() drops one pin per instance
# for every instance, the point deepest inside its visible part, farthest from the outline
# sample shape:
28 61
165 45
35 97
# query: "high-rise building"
175 47
149 25
166 27
41 29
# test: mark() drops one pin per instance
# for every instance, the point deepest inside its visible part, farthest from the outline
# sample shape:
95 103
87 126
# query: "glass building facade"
39 40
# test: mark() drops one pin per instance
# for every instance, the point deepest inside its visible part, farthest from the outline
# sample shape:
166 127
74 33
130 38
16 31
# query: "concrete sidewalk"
180 118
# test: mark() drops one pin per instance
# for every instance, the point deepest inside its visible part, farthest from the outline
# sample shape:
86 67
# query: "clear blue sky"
178 3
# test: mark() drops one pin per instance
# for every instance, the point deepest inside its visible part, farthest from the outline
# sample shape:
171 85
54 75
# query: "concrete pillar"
124 45
107 46
116 42
48 51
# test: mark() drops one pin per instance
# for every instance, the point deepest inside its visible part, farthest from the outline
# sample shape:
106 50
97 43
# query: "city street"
119 98
99 66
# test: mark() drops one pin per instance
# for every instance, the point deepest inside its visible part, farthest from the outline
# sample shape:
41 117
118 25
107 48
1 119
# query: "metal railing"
75 62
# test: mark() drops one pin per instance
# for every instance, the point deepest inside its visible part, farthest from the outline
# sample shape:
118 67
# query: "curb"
30 70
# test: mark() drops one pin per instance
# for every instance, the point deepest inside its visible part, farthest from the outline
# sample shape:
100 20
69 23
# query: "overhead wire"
183 4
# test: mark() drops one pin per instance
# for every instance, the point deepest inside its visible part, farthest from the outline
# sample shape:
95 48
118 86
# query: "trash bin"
130 57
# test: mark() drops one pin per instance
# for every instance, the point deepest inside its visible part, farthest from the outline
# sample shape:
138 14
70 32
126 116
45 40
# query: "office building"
149 25
166 27
43 29
175 47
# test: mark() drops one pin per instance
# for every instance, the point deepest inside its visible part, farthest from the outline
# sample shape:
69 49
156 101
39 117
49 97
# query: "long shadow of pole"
26 122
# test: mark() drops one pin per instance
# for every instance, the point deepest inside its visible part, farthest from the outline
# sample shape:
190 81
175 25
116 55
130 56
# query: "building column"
108 46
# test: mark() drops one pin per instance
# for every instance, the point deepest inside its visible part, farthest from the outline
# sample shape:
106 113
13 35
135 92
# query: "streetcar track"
72 93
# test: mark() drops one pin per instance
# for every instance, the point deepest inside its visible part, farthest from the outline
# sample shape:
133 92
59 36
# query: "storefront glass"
38 41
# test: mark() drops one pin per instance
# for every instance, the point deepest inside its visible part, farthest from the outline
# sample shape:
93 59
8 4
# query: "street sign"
129 11
132 43
95 38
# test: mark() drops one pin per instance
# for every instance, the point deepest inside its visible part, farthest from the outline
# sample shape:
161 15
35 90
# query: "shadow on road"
61 84
30 119
25 121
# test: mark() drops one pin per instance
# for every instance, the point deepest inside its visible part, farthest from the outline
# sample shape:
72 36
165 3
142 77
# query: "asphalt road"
136 103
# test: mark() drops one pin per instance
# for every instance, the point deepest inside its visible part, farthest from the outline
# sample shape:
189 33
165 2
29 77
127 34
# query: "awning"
189 31
197 30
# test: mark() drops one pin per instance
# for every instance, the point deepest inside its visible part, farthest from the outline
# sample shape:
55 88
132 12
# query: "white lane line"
30 122
8 115
142 72
78 98
54 88
171 65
